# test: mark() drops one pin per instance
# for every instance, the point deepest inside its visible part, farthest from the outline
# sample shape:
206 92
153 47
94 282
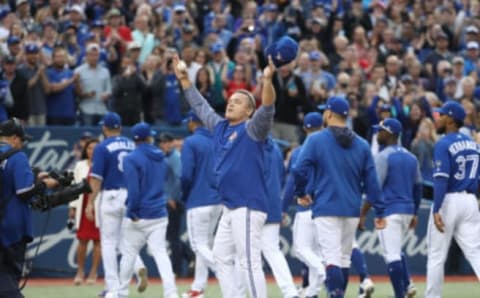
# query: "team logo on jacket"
438 164
233 136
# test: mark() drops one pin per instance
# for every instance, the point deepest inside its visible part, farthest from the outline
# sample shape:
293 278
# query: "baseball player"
108 185
401 183
146 222
202 200
275 173
455 209
305 246
342 167
238 149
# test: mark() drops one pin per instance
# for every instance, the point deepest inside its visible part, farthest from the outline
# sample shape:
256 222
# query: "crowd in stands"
69 62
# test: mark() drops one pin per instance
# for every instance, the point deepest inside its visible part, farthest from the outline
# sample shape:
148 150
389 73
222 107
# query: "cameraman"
17 188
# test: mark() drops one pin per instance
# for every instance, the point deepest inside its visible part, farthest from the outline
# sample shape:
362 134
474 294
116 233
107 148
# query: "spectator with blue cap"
13 43
270 26
34 72
49 38
322 81
219 64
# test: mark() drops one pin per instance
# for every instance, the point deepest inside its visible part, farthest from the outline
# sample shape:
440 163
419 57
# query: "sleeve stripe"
441 175
96 176
25 189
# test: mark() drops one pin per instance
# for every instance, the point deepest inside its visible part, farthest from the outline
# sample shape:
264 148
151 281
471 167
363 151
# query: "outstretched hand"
179 67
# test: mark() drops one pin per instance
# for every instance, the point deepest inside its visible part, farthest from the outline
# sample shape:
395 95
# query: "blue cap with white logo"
452 109
282 51
31 48
337 104
312 120
391 125
111 120
142 130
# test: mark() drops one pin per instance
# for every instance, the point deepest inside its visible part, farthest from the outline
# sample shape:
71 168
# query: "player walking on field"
455 209
343 168
401 183
303 230
202 200
146 215
239 177
109 186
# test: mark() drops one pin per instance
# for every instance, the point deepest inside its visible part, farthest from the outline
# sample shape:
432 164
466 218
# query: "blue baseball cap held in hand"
452 109
337 104
312 120
111 120
391 125
142 130
283 51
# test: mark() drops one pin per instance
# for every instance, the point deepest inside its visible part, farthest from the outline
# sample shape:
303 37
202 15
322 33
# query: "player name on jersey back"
458 146
121 145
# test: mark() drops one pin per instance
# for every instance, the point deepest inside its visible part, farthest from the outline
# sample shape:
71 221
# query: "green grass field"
382 290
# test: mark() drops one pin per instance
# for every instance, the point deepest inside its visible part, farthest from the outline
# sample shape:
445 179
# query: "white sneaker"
367 287
174 295
411 290
142 280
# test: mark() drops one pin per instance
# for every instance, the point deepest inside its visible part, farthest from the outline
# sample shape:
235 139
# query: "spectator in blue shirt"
61 90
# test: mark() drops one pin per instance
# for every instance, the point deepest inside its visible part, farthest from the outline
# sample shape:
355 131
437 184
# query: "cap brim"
322 107
439 110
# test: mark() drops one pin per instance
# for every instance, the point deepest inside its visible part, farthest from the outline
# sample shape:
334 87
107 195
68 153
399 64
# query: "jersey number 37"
462 162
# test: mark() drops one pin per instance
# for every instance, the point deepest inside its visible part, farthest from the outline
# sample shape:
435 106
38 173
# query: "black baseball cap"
13 127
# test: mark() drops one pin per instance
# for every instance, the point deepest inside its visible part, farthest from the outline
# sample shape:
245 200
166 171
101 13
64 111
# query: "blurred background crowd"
69 62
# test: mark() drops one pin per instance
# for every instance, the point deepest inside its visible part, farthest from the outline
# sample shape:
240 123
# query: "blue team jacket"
274 172
197 170
17 177
239 167
145 174
343 169
400 179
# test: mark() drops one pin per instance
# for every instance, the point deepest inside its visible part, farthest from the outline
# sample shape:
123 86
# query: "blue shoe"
102 293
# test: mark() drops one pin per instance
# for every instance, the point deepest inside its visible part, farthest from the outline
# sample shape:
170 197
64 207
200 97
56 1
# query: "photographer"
18 187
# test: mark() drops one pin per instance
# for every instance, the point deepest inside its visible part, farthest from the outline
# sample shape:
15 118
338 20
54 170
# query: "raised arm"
199 104
261 123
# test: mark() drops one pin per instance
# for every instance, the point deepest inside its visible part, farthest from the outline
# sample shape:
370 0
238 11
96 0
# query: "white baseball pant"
239 234
153 232
335 236
391 238
461 218
276 260
201 224
111 215
306 249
